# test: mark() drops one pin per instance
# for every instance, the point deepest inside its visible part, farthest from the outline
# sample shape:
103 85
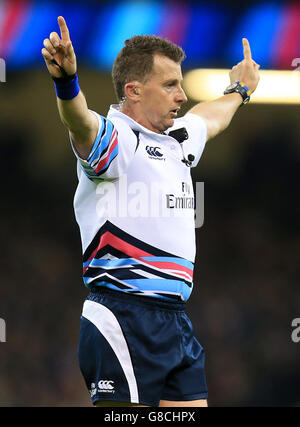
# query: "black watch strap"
240 88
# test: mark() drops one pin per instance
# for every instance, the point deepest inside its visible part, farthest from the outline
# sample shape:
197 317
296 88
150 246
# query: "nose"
181 96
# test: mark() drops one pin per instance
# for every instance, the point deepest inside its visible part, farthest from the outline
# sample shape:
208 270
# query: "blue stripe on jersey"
162 285
182 291
102 144
95 145
89 170
100 147
110 263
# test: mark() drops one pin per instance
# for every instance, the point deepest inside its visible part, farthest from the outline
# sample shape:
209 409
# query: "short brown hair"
135 60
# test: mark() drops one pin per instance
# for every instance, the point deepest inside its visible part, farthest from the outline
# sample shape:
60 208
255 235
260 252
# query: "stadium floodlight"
275 87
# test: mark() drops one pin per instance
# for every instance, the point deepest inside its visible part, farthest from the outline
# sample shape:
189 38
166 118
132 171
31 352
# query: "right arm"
60 58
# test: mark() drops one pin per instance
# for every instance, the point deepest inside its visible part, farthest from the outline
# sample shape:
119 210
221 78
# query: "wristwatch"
240 88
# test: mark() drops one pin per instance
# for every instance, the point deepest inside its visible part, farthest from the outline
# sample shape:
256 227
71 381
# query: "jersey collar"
114 112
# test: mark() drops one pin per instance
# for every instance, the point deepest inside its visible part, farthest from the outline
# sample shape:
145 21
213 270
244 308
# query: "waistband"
97 291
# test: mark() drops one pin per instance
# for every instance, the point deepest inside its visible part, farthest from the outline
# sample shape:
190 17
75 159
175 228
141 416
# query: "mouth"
174 112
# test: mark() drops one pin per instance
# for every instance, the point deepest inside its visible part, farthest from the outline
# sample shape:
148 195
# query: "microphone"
189 160
181 135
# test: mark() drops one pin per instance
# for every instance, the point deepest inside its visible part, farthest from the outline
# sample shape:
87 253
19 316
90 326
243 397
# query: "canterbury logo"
153 151
105 385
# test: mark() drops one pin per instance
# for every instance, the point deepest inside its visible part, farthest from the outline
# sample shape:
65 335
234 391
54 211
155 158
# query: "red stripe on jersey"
176 268
119 244
114 143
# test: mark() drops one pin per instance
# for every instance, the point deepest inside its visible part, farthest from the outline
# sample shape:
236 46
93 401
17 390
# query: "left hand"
246 71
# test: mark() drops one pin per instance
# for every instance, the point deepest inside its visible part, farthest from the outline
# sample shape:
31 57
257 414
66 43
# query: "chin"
171 123
167 124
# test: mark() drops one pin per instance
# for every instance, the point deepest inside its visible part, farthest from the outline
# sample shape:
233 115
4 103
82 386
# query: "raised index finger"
247 50
64 31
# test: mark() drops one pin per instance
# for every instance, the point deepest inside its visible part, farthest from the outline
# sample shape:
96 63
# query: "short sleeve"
111 153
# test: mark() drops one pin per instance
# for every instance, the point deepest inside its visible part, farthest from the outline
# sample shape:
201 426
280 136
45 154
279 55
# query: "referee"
134 205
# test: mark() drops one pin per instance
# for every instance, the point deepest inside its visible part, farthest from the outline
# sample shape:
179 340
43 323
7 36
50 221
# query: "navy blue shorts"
139 349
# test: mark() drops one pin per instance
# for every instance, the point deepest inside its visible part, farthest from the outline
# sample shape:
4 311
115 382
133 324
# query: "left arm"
219 113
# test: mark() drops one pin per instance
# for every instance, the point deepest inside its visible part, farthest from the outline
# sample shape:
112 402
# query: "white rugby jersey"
134 205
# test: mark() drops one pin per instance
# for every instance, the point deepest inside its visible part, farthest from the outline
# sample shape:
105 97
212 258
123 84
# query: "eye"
170 85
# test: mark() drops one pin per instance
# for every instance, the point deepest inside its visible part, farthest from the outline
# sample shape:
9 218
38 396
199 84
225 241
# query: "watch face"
232 86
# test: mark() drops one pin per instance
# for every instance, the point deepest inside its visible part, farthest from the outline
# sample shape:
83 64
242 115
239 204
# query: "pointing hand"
58 52
246 71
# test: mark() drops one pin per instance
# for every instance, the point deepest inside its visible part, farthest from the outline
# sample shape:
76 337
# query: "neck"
137 116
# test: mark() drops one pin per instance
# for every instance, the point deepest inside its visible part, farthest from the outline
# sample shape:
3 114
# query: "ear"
132 91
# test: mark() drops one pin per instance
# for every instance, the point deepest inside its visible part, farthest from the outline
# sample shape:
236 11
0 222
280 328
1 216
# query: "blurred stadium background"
247 268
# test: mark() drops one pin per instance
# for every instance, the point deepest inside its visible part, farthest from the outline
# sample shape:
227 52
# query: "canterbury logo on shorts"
105 385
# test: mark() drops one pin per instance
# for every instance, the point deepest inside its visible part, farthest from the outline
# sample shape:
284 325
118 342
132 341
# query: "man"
134 206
